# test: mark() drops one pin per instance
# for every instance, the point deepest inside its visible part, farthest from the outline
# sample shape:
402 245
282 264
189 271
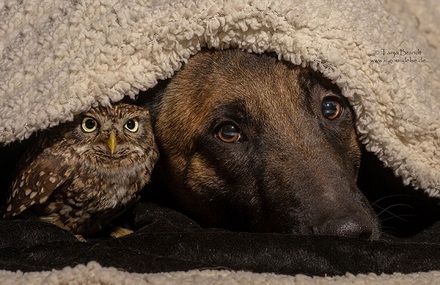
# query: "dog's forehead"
223 77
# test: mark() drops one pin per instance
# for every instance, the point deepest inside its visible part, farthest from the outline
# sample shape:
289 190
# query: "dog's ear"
152 97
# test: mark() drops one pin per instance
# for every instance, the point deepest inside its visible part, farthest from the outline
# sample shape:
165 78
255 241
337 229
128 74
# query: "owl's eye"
89 124
132 125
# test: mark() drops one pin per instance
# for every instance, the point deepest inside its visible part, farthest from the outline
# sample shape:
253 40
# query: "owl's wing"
42 175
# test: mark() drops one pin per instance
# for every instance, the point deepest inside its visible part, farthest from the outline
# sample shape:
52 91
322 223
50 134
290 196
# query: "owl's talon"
80 238
120 232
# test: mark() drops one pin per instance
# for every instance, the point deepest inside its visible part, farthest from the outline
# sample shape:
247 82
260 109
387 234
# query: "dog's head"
252 143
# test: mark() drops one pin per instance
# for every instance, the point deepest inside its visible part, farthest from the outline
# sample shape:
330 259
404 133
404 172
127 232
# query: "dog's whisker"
387 209
388 197
400 217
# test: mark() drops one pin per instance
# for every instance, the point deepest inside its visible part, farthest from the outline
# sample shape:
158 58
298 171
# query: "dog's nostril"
348 226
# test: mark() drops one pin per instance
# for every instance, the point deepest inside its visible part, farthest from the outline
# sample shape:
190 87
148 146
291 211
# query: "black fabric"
168 241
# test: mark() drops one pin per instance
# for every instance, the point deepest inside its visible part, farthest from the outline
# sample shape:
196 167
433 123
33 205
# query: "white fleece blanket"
93 273
60 57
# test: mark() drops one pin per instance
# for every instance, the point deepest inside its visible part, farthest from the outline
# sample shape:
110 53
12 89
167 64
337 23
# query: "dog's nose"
348 226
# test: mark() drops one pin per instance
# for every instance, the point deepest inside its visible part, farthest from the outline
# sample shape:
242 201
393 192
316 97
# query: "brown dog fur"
291 170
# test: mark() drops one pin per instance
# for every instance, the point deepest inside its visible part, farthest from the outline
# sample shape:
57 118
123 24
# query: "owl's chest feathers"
108 188
96 183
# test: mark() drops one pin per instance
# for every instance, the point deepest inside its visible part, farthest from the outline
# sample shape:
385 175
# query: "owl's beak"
112 142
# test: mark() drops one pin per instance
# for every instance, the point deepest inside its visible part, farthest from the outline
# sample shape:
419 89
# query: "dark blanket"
169 241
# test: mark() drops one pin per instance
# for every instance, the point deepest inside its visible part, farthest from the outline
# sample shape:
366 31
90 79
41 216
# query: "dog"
252 143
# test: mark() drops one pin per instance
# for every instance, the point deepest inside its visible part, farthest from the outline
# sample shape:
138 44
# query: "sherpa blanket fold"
58 58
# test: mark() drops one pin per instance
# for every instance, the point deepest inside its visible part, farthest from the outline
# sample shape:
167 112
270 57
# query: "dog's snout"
355 225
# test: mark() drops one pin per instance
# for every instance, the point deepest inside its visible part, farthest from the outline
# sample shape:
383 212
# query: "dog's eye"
331 107
228 133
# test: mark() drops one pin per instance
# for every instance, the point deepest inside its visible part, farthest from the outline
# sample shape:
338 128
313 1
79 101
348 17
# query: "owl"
83 174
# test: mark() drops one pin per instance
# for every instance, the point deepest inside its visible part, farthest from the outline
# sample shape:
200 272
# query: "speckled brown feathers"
81 175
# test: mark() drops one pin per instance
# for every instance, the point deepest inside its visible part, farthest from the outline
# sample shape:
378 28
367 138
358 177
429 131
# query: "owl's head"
107 135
